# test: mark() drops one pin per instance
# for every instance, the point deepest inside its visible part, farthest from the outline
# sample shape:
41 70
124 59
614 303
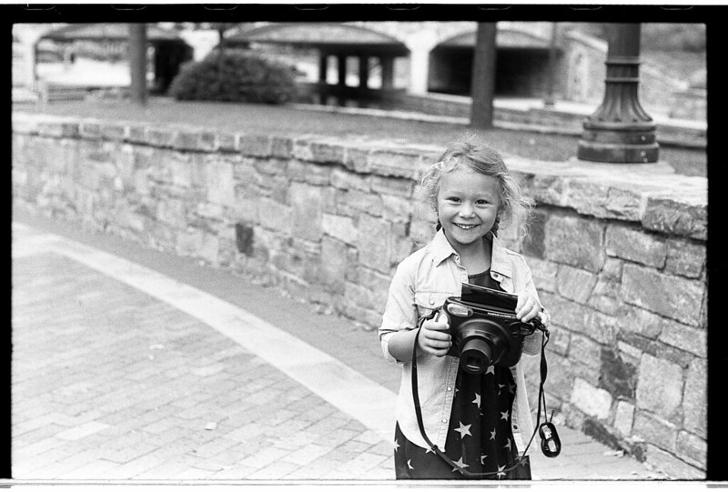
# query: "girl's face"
467 205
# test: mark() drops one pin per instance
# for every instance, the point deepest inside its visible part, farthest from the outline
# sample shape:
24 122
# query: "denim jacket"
420 285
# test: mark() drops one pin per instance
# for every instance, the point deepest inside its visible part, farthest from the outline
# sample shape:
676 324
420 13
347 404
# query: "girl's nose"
466 210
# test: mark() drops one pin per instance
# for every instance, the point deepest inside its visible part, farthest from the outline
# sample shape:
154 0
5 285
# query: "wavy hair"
514 207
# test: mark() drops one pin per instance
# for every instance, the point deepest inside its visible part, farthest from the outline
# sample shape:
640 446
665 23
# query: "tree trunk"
482 86
138 62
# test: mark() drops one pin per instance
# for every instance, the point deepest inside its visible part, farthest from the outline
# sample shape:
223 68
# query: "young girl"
482 422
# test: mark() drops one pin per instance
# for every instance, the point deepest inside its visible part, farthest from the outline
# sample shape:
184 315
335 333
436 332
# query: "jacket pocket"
428 301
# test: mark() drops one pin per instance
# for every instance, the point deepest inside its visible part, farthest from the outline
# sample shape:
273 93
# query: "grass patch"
284 120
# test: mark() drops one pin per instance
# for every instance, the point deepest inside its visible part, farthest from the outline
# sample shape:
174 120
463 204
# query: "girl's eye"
453 199
481 202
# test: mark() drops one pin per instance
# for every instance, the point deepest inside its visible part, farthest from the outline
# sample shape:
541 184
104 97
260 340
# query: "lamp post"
620 130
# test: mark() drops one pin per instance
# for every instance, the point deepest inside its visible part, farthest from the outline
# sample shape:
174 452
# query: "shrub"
241 76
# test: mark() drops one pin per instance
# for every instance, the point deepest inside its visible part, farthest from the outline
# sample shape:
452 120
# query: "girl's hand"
434 336
527 307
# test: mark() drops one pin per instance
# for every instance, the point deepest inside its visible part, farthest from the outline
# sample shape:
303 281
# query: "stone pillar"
341 59
341 83
419 70
363 71
420 44
387 63
620 130
323 67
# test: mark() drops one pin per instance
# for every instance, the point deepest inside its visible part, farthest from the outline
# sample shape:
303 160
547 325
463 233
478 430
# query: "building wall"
619 258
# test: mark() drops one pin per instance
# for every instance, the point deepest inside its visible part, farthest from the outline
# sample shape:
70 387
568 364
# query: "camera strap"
541 399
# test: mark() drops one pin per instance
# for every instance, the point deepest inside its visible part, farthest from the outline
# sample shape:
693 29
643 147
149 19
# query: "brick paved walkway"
111 383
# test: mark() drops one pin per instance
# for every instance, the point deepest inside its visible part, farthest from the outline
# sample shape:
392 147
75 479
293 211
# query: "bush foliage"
240 76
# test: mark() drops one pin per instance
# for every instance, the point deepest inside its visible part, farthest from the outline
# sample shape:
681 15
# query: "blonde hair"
514 207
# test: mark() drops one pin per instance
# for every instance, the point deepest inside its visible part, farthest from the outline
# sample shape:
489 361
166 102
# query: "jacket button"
444 421
449 388
432 301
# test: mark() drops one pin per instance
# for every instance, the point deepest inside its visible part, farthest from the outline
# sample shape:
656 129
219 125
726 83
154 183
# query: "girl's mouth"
466 227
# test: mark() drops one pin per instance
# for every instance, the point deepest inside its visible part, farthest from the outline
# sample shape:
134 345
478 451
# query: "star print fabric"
480 437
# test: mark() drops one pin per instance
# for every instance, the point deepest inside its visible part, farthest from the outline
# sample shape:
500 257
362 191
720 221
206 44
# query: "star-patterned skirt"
480 437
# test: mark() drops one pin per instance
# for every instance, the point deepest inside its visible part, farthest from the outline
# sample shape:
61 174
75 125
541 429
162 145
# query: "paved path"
123 372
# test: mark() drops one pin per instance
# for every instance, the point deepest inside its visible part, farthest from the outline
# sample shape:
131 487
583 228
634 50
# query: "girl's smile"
467 205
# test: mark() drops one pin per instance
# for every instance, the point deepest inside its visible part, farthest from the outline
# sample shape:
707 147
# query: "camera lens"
476 355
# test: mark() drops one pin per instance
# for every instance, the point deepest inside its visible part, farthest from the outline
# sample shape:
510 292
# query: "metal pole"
138 62
620 130
549 100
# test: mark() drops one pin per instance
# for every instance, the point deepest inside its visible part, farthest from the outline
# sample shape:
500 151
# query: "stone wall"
619 257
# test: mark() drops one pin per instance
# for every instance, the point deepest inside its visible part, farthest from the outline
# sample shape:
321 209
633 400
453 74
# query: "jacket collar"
499 260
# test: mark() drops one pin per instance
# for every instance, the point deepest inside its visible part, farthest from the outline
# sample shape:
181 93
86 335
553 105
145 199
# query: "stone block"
421 232
374 243
219 182
353 202
636 245
327 153
386 162
594 402
305 201
227 141
624 418
246 209
341 178
693 340
275 216
210 249
302 149
588 197
550 190
560 378
670 465
685 258
334 264
668 295
281 147
544 274
574 283
357 159
274 167
576 242
534 243
692 449
674 216
377 284
559 341
159 136
340 227
88 129
584 350
137 133
640 322
618 376
659 386
189 242
392 186
208 141
309 173
695 402
186 139
655 430
254 145
396 209
624 204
